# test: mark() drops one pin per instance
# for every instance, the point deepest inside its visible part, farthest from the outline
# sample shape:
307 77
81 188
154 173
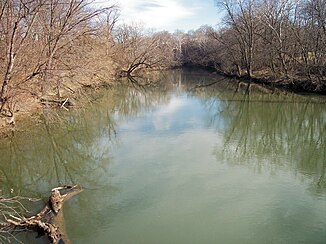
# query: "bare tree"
17 21
135 50
45 43
314 16
62 24
241 15
274 17
167 49
228 51
107 22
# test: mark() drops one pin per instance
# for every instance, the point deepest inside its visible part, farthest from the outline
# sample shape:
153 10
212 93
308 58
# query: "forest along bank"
51 49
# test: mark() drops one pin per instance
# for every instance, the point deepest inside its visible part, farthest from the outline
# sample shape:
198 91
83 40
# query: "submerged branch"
47 221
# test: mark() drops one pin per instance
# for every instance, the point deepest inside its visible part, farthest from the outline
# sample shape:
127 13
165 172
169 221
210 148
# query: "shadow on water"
271 132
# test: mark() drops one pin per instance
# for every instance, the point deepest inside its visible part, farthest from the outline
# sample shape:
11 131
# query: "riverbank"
289 84
292 84
28 104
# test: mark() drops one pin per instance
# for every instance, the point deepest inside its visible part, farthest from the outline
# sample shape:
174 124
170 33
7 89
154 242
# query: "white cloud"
164 116
160 14
167 15
173 106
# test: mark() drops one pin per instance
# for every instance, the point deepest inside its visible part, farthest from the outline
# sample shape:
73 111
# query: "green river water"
171 164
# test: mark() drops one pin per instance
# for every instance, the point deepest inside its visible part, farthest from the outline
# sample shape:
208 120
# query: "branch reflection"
72 147
271 132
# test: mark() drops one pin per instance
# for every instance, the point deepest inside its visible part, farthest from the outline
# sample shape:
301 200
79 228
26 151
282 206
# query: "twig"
63 104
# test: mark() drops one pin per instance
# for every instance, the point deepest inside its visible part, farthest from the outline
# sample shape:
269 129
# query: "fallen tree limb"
49 220
61 103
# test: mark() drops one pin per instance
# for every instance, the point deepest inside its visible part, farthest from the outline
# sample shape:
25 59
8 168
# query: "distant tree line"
278 39
49 48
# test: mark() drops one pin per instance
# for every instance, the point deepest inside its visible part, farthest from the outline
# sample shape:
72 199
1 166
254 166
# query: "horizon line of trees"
279 39
48 47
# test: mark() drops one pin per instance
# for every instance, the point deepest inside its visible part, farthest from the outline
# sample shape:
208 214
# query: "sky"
169 15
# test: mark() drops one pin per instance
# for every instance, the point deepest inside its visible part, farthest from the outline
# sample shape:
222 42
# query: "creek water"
179 163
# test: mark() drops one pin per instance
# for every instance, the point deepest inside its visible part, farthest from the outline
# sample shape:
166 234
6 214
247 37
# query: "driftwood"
61 103
49 220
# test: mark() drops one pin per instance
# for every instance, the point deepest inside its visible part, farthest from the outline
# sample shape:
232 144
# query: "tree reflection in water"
72 147
264 130
271 132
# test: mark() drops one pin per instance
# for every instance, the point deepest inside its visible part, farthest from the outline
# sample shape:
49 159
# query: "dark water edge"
299 85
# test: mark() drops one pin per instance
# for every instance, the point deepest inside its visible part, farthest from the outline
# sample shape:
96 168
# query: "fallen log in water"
49 220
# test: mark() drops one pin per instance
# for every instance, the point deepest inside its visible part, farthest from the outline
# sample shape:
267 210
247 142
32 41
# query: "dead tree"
48 221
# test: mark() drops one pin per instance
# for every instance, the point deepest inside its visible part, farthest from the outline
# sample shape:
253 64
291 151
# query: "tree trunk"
10 66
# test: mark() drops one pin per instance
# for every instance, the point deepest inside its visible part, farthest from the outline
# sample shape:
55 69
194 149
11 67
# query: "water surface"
173 164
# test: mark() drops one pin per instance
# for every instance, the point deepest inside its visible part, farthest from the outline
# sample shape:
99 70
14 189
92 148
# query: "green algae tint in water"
181 165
